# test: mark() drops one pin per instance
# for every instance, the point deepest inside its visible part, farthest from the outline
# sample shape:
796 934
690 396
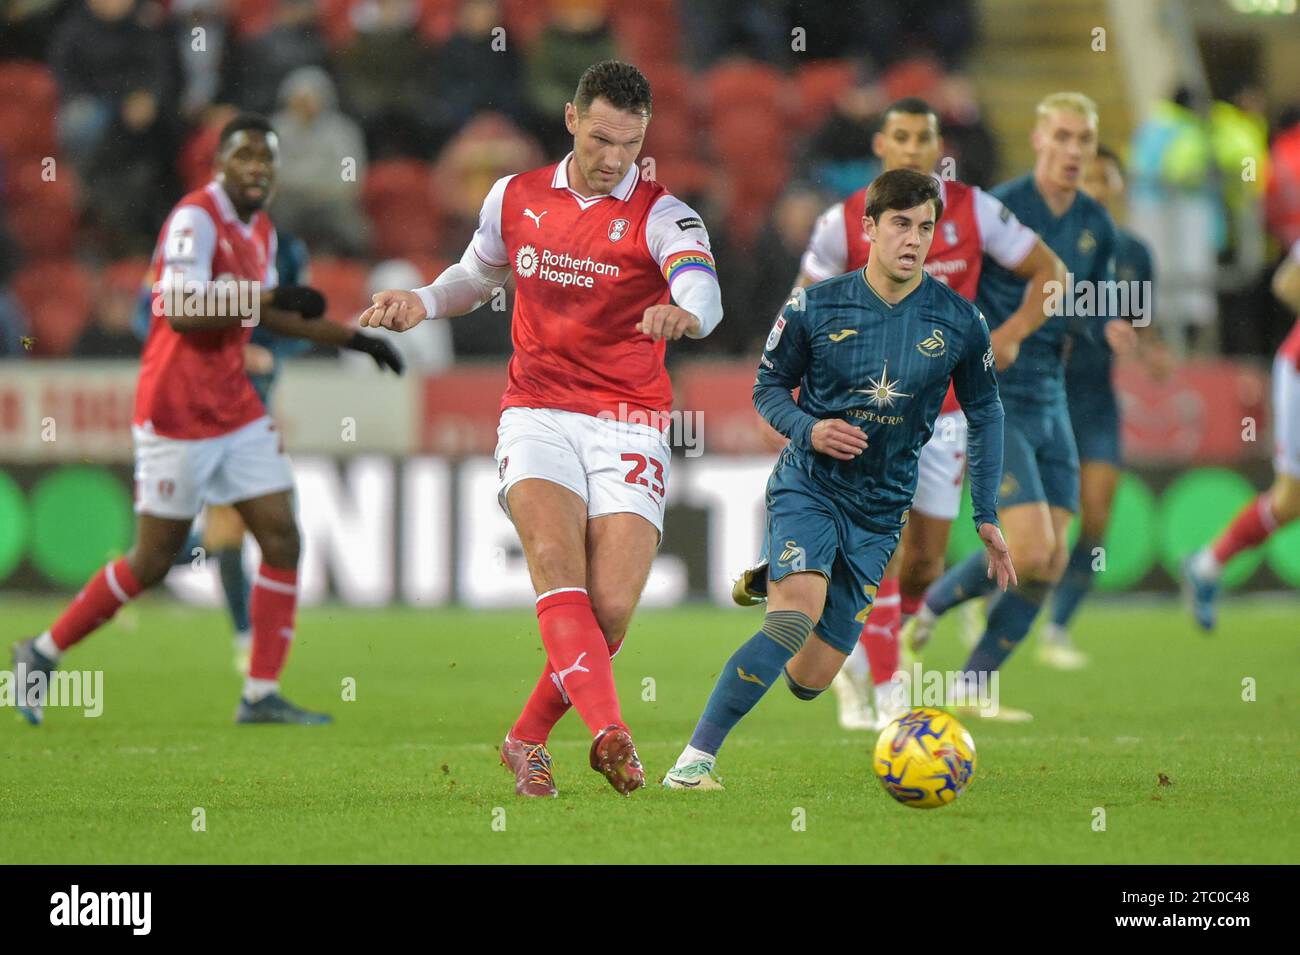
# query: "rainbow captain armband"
688 260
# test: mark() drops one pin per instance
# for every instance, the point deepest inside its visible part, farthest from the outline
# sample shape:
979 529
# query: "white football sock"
47 648
1205 565
690 755
255 690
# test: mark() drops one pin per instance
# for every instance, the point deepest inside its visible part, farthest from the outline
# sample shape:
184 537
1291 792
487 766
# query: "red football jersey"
586 269
193 384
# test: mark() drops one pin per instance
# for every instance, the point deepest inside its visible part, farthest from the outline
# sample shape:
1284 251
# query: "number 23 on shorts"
636 475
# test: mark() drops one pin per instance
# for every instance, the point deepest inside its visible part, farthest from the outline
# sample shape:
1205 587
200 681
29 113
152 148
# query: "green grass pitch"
409 772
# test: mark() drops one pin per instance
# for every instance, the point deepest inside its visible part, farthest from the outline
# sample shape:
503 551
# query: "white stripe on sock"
561 590
114 586
260 581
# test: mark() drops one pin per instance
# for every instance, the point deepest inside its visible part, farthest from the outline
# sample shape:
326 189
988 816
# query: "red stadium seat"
399 199
343 283
741 85
438 19
44 220
524 20
819 85
56 296
252 17
647 31
30 83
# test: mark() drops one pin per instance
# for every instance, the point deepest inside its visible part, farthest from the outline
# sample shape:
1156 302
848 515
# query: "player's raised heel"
614 755
531 764
276 709
30 702
750 587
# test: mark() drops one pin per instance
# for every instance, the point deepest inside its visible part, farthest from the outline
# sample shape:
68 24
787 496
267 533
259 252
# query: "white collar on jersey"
622 191
227 208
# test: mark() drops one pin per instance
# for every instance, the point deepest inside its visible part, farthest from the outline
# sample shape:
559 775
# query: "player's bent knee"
787 628
798 689
281 547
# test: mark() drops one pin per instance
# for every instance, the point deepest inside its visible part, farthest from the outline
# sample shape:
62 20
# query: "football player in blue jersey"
1040 470
872 374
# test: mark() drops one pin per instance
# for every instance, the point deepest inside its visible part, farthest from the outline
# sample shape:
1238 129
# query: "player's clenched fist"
667 321
838 439
395 309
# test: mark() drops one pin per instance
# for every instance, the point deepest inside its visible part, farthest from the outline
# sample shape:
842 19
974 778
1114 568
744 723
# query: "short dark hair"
911 106
242 122
621 84
1108 154
902 189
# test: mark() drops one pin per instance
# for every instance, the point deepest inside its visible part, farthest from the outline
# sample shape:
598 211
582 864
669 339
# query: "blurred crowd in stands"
395 117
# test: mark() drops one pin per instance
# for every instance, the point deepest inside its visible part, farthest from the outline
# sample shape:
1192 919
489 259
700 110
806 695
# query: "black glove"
384 354
303 299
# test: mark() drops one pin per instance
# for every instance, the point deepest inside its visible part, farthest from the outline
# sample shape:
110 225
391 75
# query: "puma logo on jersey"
933 346
537 219
841 335
748 677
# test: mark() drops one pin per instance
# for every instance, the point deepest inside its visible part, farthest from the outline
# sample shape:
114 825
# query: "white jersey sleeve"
828 248
1295 252
272 278
679 242
188 248
487 243
1002 236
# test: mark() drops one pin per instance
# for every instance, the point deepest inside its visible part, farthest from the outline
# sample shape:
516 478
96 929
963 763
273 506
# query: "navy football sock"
1011 614
1075 583
964 581
186 553
748 674
234 582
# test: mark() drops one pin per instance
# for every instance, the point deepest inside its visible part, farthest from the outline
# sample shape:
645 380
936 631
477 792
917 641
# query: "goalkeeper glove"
384 354
303 299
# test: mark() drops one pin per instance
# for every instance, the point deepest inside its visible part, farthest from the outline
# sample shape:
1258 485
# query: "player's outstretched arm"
976 385
1039 268
457 291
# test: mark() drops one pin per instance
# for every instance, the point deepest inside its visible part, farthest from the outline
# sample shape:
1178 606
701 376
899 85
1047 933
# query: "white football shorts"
175 478
941 467
614 467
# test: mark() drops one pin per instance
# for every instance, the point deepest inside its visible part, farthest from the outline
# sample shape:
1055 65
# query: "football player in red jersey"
201 432
1280 504
608 266
974 224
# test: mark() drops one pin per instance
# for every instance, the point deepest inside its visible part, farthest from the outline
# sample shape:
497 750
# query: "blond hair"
1076 103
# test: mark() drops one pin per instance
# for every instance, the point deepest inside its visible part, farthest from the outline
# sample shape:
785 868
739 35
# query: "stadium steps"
1035 47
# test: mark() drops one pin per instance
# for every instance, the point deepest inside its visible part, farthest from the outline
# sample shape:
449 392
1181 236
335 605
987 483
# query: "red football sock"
1250 528
113 586
579 656
547 704
909 604
271 608
880 632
